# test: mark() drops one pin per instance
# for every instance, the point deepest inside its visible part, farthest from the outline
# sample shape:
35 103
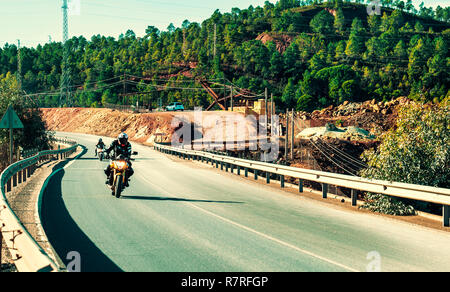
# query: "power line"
332 160
343 155
19 65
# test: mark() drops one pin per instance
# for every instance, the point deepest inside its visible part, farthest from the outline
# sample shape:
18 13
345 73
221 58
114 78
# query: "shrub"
416 151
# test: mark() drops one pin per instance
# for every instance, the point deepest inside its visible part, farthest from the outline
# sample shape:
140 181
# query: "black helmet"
123 139
100 140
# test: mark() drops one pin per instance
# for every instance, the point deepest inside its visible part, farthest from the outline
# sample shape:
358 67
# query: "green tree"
306 103
355 45
322 23
339 20
289 95
416 151
34 134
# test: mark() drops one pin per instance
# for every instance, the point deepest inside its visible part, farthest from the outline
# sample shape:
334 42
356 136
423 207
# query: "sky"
37 21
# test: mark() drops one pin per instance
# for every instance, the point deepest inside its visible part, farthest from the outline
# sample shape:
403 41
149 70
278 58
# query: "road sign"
10 120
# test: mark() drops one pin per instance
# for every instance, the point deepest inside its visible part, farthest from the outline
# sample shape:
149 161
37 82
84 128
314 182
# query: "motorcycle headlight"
121 165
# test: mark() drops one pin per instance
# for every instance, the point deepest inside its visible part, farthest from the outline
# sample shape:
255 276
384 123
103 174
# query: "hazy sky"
35 21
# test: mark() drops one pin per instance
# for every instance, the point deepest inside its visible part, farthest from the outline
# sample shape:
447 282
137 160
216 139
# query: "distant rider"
100 145
121 146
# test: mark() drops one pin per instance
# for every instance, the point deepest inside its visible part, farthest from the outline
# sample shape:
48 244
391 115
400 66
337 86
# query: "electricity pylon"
65 94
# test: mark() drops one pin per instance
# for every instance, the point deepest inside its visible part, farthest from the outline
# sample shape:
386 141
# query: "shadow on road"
176 199
63 232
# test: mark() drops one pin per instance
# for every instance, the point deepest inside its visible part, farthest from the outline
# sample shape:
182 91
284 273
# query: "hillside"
308 56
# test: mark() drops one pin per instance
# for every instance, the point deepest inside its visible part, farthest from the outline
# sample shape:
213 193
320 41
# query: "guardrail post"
256 174
246 172
282 180
354 197
446 215
227 167
1 247
232 168
14 179
8 188
324 190
24 175
19 177
267 177
300 186
238 170
221 165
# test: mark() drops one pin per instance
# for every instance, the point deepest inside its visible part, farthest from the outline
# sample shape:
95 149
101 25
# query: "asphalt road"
185 217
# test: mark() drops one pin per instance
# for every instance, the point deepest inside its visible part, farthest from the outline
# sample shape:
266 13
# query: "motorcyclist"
100 145
121 146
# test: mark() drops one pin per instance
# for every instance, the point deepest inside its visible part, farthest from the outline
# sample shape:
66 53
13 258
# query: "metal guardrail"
27 255
28 153
395 189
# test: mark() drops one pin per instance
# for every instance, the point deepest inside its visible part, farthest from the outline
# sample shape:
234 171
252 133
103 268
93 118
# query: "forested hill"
308 55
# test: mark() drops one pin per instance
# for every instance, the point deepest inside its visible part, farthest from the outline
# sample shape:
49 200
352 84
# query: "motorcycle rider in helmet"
121 146
100 145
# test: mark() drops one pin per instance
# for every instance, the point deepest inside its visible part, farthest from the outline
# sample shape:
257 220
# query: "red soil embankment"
141 128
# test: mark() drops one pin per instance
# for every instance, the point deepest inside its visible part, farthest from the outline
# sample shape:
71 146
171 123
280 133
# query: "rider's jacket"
100 145
120 149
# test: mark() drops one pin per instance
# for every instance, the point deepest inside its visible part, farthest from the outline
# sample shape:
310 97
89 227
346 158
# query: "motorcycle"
101 153
117 177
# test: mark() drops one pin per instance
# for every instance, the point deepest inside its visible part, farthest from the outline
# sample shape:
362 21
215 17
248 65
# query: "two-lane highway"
180 216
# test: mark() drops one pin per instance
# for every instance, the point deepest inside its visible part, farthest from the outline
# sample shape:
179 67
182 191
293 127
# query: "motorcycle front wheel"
119 186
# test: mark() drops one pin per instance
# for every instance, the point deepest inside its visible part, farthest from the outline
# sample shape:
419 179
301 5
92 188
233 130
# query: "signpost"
11 121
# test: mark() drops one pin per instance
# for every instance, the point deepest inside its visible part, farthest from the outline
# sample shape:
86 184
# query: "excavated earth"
142 128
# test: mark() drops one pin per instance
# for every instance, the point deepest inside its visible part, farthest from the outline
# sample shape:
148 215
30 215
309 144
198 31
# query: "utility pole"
124 88
215 40
286 141
271 114
19 66
266 96
225 93
231 98
184 42
293 134
272 110
65 77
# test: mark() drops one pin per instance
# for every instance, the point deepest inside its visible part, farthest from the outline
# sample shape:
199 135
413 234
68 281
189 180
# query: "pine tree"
339 21
355 44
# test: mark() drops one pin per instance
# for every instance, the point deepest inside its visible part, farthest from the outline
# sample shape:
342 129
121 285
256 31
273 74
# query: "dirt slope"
142 128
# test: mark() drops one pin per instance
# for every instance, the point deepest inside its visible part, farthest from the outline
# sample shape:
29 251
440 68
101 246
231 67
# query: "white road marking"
257 232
